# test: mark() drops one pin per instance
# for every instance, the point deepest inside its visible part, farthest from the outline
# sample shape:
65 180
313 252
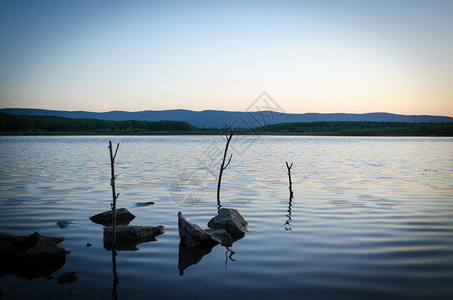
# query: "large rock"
123 217
128 237
30 256
230 220
192 236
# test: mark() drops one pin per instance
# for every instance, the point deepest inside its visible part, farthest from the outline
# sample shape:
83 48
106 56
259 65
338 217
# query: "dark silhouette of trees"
14 124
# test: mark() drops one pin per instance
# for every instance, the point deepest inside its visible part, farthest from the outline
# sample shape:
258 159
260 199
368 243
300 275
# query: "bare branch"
228 136
226 166
116 151
291 193
114 194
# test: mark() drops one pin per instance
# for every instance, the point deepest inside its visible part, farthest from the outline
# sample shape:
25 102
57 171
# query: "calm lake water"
370 218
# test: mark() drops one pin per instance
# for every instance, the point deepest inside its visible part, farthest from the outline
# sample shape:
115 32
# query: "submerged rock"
64 223
68 277
230 220
192 235
123 217
128 237
31 256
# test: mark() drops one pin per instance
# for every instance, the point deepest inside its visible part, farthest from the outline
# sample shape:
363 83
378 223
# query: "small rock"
68 277
230 220
64 223
123 217
192 235
144 203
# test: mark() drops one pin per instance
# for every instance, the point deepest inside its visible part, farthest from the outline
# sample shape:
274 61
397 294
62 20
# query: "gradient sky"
310 56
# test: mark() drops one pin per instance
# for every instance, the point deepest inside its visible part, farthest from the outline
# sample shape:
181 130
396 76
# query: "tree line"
345 128
14 124
36 125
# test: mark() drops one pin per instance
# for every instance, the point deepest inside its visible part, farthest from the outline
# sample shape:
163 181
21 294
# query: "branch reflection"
115 276
288 215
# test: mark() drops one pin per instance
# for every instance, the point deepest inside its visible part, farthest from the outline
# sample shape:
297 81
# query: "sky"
310 56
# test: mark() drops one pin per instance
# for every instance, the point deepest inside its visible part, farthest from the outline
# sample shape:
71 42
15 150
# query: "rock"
128 237
144 203
219 234
230 220
123 217
64 223
68 277
223 236
45 250
192 235
31 256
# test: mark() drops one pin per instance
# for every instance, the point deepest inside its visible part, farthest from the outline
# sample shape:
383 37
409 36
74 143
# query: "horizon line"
230 111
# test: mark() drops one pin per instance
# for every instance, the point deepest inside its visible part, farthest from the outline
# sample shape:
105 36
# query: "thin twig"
116 151
228 163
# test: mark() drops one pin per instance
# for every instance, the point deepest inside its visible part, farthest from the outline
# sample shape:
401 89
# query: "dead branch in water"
112 182
291 194
223 166
113 205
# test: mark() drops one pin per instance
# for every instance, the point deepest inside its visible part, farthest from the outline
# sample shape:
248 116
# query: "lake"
372 217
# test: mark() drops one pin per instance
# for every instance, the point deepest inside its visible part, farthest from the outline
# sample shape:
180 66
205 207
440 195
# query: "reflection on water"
288 215
115 275
189 257
228 256
374 217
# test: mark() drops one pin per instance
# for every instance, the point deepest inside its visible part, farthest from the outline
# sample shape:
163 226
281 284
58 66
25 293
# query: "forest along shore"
51 125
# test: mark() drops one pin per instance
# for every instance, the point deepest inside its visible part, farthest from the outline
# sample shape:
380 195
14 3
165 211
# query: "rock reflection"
191 256
188 257
31 271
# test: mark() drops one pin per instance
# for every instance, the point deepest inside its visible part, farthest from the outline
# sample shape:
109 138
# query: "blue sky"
310 56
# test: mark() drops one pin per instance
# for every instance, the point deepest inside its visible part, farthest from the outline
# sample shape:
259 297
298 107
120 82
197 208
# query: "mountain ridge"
220 118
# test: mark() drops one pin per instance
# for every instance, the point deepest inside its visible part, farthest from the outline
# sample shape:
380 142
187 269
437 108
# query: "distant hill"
218 118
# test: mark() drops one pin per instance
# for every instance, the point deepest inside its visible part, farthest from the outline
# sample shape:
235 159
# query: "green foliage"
360 129
13 124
